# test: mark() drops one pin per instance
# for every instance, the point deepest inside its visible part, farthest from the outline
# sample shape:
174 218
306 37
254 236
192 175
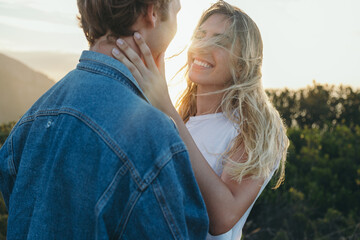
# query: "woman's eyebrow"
221 35
214 35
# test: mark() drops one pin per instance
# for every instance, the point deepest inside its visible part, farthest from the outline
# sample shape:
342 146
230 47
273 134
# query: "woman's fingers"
149 74
133 69
145 50
132 56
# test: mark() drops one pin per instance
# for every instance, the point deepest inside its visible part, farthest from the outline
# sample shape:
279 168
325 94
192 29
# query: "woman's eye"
223 41
200 34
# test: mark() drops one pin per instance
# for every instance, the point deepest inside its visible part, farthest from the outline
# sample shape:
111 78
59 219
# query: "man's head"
154 19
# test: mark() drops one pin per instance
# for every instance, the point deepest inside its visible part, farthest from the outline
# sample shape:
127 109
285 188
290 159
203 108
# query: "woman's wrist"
170 110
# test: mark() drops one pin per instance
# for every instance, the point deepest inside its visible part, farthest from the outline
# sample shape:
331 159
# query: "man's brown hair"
99 17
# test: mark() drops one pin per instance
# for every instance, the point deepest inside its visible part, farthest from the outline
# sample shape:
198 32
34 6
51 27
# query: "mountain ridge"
20 87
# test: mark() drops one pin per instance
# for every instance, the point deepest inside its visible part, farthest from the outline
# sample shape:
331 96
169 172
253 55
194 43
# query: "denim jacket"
92 159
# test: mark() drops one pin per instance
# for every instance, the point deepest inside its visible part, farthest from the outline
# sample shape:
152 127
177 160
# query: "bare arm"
226 200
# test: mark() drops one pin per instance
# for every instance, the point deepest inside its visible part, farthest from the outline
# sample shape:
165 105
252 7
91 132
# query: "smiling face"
209 57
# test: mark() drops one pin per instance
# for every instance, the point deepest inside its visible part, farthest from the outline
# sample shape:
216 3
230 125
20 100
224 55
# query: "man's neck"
105 46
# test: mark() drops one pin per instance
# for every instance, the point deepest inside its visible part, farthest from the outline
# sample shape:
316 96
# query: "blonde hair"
261 130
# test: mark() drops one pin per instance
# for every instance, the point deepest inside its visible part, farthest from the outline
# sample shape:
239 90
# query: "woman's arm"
226 200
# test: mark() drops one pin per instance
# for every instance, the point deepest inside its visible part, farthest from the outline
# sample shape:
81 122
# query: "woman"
235 137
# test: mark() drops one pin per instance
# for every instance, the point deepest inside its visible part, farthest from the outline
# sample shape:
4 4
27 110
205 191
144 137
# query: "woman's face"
209 67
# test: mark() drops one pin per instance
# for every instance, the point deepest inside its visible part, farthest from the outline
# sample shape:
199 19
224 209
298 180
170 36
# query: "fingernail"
120 41
115 51
137 35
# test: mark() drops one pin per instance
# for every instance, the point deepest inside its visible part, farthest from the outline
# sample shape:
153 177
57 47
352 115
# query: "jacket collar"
112 63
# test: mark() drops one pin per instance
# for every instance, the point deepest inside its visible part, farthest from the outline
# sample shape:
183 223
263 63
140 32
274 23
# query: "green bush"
320 196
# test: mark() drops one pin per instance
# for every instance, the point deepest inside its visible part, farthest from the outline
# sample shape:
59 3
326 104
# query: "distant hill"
20 87
55 65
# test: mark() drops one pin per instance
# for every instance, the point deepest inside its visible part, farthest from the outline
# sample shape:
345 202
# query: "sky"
304 40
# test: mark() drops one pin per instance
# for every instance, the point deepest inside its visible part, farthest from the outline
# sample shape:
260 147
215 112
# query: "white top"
212 134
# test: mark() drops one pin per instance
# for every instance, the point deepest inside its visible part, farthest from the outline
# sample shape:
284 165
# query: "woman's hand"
151 77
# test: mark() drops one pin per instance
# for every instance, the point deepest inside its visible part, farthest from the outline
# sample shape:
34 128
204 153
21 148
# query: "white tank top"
212 134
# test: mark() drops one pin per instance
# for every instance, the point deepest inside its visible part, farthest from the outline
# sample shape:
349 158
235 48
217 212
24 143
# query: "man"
92 159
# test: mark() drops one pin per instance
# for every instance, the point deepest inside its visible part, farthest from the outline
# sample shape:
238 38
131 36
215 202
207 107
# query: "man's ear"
151 16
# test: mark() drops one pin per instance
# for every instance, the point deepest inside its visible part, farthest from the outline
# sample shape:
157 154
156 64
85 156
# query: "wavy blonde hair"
262 133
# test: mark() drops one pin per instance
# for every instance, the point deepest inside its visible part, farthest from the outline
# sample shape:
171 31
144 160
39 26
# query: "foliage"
320 196
5 130
317 106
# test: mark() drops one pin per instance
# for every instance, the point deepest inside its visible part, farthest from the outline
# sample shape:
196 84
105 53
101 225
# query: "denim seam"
112 76
100 71
26 120
107 140
135 175
107 194
11 163
177 149
165 210
153 174
32 117
104 64
126 215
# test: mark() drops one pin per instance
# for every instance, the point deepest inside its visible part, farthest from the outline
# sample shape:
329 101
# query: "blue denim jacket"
92 159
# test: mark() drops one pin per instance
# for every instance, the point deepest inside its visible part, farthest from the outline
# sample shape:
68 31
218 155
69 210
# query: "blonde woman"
235 137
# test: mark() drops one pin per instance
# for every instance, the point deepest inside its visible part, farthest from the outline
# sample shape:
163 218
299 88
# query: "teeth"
202 64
